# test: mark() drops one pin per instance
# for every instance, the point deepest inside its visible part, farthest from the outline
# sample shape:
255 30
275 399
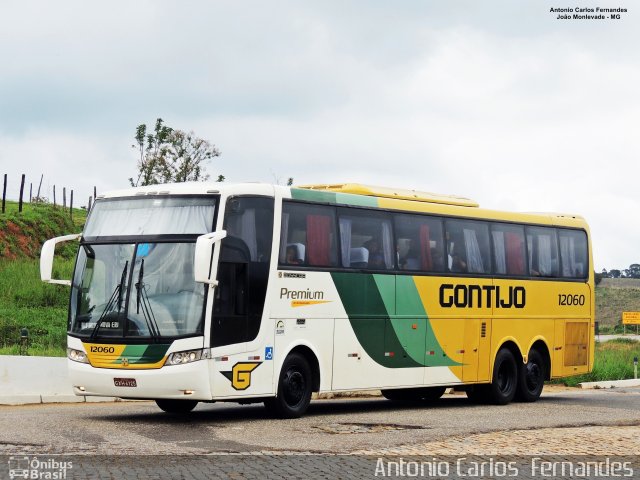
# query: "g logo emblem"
240 374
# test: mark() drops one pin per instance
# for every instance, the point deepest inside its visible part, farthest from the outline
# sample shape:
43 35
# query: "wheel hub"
294 384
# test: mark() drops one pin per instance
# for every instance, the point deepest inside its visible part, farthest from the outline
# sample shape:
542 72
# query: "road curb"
21 399
611 384
61 398
34 399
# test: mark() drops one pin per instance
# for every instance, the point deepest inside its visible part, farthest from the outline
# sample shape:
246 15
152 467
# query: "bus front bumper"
184 382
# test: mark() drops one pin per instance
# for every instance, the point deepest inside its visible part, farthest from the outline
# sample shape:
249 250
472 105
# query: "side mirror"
46 258
203 255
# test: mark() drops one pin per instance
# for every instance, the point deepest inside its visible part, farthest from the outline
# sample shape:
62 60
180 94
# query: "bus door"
240 364
477 348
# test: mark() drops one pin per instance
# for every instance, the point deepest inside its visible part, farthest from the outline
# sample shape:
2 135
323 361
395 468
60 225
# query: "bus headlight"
77 355
188 356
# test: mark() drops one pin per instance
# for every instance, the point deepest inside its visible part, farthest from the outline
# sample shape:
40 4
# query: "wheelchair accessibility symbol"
268 353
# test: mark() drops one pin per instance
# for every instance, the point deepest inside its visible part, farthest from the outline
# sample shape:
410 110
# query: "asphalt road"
128 429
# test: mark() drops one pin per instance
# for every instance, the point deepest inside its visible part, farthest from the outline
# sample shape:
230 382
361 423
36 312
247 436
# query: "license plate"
125 382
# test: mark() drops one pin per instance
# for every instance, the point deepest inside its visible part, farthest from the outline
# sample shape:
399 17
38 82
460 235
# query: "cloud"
65 160
497 101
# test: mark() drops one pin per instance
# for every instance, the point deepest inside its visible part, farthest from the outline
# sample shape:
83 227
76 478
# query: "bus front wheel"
294 388
504 384
177 406
531 378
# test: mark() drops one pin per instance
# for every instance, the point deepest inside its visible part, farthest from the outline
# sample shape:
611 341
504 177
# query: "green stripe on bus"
313 195
387 316
386 287
370 318
357 200
409 303
142 354
322 196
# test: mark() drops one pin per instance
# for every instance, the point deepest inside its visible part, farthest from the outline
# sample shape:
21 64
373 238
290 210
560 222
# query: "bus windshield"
151 216
134 271
136 290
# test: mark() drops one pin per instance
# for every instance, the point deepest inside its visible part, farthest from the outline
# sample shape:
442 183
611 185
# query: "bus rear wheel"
423 394
177 406
531 378
294 389
504 384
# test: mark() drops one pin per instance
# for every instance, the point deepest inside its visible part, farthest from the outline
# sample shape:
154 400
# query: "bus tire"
531 378
294 388
504 384
177 406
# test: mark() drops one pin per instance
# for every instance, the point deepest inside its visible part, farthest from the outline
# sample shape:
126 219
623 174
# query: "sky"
498 101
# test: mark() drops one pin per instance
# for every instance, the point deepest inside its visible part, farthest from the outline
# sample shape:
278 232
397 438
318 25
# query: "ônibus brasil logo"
35 468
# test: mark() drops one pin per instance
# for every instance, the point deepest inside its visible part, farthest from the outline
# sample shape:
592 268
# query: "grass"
26 302
613 361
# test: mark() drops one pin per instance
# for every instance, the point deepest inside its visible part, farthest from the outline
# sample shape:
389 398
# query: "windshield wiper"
117 295
143 298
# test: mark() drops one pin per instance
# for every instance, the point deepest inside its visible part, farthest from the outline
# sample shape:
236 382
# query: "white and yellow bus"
188 293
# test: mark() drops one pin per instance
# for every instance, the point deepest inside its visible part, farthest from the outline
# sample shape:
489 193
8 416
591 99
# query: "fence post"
95 194
54 196
21 193
40 185
89 205
71 206
30 192
4 192
64 197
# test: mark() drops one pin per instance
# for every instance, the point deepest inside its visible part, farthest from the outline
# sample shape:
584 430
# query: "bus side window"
419 243
573 253
308 235
468 246
543 251
366 239
508 249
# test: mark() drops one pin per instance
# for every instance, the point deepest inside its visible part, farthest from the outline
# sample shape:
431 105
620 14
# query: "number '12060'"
570 299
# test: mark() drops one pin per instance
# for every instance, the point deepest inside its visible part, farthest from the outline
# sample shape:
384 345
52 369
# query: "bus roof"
397 193
357 194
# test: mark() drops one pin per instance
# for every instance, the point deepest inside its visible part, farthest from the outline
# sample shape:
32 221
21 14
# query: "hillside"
614 296
22 234
26 302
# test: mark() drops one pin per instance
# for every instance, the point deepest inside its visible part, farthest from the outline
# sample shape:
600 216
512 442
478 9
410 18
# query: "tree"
169 155
634 270
614 273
